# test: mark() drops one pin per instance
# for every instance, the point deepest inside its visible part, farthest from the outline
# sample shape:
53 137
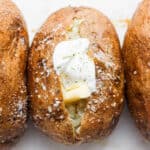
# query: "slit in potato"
76 111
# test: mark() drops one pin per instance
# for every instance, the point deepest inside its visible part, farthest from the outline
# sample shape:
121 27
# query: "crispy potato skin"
13 59
104 106
136 53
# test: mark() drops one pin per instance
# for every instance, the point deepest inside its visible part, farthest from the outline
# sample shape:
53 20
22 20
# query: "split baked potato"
75 76
13 59
136 54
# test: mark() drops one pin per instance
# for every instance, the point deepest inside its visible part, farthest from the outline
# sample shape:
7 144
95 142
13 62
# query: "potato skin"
136 53
13 59
104 106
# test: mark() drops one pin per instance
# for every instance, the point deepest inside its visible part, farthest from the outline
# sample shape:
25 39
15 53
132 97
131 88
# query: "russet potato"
86 119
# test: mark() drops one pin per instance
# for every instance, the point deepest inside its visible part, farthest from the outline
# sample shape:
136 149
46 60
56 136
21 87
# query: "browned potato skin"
95 124
136 53
13 59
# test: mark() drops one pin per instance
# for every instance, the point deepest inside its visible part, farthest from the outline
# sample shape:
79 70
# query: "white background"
125 136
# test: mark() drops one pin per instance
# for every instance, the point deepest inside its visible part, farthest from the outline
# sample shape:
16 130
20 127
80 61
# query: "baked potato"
13 59
75 76
136 55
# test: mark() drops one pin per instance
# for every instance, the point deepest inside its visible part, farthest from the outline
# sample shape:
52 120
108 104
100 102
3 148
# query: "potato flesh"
76 105
76 111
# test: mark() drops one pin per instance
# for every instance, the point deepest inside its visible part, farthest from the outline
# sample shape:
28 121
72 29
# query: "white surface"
125 136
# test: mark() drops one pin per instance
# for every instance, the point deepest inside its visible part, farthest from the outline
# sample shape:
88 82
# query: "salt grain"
39 96
121 100
114 95
48 72
95 101
37 80
36 91
20 105
56 98
20 108
61 117
56 104
93 108
113 104
22 40
21 91
135 72
42 73
46 69
43 87
49 109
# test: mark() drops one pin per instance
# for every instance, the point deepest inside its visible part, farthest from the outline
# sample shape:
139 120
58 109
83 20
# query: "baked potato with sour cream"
13 59
75 76
136 53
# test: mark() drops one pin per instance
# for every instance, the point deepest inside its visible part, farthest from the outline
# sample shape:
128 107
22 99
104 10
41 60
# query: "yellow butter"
76 92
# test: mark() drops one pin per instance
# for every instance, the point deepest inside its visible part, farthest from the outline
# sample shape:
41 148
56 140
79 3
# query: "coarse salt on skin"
37 80
56 104
135 72
49 109
43 86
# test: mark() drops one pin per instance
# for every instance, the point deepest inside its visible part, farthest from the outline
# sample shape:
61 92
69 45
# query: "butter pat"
75 69
77 92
